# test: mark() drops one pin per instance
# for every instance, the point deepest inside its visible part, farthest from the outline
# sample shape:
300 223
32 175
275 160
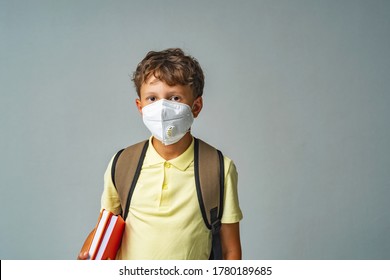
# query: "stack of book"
107 236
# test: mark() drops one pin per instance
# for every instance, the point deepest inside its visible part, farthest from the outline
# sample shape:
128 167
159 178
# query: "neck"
169 152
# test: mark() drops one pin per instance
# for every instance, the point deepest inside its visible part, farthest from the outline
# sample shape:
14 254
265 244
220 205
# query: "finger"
83 256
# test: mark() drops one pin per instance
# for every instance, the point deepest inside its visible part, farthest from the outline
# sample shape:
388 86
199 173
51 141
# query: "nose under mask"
167 120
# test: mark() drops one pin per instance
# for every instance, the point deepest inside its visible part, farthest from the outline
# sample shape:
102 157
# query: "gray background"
297 94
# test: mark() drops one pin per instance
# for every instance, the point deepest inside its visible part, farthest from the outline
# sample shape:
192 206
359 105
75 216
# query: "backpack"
209 182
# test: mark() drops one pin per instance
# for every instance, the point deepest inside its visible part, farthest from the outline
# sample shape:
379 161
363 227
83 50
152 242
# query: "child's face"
154 89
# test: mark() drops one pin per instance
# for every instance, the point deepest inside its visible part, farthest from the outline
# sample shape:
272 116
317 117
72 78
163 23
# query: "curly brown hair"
171 66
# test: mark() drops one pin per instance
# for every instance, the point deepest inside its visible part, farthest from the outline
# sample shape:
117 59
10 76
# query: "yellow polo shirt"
164 220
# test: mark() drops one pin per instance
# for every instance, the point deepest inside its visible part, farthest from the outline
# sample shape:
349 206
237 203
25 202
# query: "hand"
83 256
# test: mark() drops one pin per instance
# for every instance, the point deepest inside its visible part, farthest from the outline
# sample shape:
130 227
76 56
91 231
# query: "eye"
175 98
151 98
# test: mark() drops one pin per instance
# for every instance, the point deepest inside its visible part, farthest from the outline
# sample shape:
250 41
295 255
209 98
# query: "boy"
164 220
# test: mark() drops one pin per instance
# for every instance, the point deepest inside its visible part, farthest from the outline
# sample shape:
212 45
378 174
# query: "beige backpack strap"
126 167
209 181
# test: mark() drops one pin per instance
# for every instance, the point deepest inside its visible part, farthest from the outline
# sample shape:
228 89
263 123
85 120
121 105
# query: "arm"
110 201
230 239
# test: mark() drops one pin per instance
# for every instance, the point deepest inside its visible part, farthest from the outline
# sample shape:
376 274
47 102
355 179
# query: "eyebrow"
167 93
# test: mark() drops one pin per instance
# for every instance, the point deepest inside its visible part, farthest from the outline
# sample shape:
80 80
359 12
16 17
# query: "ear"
139 106
197 106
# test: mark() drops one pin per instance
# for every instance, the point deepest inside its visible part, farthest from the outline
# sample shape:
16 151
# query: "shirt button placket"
165 183
164 192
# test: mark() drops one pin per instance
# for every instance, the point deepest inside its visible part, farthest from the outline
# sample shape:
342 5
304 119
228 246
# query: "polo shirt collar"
181 162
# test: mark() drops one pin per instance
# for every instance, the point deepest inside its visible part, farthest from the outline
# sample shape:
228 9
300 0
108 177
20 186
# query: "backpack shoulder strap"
125 170
209 181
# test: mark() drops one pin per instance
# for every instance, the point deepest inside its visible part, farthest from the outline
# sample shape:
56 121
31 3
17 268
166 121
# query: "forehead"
155 85
152 80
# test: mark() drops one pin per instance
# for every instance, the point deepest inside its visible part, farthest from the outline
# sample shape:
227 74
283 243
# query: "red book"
107 237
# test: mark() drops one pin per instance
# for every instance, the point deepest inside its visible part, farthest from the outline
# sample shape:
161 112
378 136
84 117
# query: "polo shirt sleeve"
231 211
110 199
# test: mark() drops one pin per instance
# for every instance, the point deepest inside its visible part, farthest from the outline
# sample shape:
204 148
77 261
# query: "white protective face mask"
168 121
